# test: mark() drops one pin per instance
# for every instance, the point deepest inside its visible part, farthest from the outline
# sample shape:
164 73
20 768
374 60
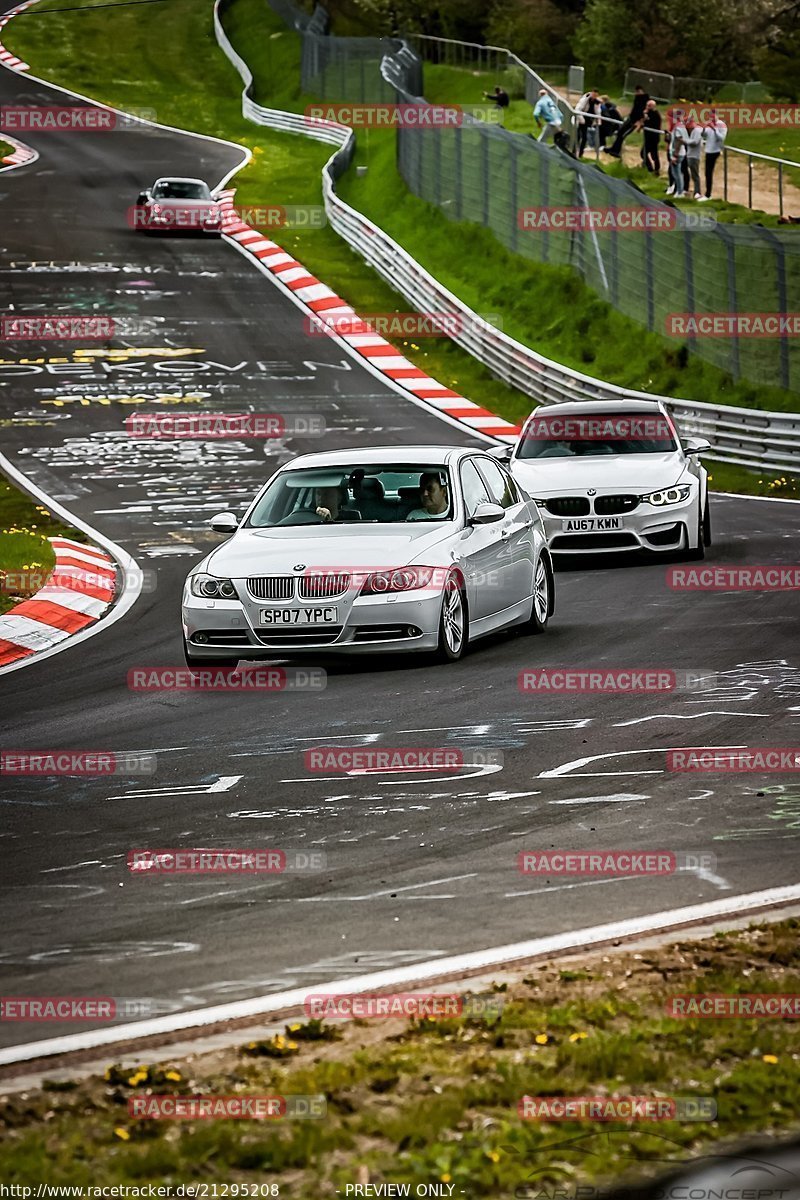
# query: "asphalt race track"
417 867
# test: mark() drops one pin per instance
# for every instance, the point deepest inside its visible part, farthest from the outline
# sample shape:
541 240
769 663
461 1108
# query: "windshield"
374 495
177 189
555 436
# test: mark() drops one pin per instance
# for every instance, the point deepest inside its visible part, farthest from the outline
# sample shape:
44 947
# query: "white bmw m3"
611 476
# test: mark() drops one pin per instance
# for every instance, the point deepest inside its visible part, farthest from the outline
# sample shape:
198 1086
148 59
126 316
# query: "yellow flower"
541 1039
445 1178
292 1028
291 1045
769 1058
173 1075
577 1037
493 1155
122 1134
138 1077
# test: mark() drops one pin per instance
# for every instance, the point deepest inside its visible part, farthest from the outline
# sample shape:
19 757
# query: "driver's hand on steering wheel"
325 513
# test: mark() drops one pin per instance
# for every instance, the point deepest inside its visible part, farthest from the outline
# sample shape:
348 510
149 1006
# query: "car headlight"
673 495
211 588
403 579
212 216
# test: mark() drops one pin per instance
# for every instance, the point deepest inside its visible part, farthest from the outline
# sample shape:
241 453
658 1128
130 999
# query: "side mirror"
696 446
226 522
503 453
487 514
143 197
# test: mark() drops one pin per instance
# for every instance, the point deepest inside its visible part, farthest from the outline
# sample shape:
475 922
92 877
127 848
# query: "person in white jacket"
714 133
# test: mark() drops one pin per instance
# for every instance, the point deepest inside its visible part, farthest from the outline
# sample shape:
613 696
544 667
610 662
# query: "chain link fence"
482 174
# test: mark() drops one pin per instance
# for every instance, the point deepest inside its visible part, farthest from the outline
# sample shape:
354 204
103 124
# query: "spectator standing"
588 119
547 115
612 119
694 145
651 137
714 133
677 156
640 98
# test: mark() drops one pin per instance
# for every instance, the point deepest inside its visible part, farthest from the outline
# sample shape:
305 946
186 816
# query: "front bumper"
364 625
658 530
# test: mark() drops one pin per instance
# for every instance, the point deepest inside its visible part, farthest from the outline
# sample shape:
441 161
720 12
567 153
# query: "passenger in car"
331 505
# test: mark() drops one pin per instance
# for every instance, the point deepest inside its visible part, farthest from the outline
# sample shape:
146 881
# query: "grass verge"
25 527
435 1100
548 308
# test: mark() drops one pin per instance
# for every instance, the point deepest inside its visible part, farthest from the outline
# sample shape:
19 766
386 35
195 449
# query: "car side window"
473 487
501 488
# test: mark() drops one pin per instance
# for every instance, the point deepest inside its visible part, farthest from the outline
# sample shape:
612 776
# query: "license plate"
590 524
299 616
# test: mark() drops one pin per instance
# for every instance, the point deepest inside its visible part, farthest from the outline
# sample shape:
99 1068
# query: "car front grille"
605 505
271 587
568 506
300 637
323 586
593 541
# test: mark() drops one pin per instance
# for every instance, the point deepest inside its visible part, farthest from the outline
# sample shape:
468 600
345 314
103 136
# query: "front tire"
453 622
703 523
196 664
542 603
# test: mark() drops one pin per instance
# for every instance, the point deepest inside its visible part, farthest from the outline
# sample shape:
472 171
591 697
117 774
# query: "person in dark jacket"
610 114
651 136
632 120
499 96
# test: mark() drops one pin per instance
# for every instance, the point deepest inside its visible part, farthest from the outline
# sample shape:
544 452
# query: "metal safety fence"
749 437
662 86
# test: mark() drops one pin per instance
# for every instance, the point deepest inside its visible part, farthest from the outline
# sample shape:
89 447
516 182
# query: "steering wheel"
303 516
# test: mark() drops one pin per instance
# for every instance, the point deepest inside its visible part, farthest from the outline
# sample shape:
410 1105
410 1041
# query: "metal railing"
749 437
663 86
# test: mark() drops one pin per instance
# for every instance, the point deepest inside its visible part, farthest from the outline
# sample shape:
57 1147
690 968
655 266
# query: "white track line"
495 957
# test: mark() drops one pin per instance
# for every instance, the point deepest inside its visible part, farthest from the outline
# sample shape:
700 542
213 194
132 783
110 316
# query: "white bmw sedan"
371 550
610 476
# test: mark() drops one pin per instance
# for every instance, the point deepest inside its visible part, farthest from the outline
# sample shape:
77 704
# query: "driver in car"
330 505
435 502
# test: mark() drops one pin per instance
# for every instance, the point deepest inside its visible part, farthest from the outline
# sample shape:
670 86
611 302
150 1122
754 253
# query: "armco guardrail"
749 437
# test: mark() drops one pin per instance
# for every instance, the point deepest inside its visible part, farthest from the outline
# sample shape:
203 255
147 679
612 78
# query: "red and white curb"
326 307
7 59
82 589
21 153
